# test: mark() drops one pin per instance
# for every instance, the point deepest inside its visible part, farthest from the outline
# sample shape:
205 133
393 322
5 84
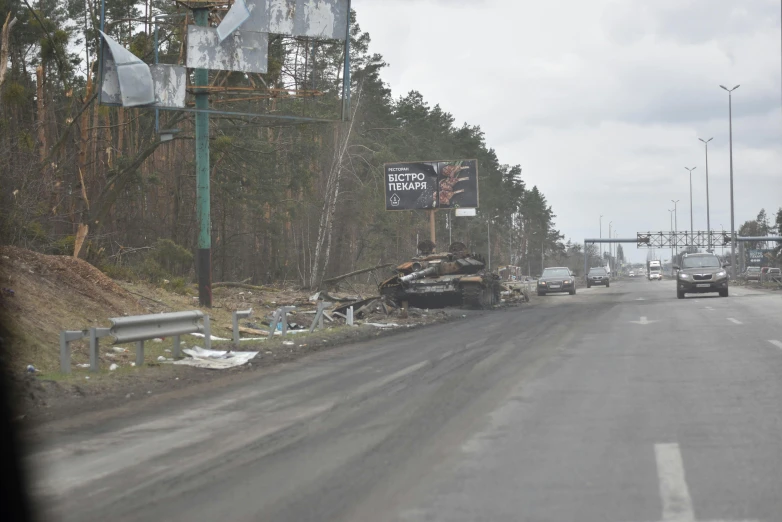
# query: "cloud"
602 102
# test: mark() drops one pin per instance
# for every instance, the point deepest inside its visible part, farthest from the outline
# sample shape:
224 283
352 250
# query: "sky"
602 102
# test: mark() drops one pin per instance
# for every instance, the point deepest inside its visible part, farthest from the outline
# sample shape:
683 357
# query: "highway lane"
618 404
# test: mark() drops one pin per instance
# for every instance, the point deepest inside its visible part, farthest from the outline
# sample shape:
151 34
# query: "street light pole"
670 213
676 224
708 212
732 214
601 236
609 237
488 238
692 229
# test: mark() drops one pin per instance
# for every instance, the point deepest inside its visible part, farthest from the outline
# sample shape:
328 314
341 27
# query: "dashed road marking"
709 308
776 343
734 321
677 504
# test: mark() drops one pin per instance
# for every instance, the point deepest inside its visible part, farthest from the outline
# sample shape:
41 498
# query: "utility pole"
203 210
732 214
708 212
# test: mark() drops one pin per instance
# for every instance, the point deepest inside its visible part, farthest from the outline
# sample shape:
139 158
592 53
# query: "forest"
293 202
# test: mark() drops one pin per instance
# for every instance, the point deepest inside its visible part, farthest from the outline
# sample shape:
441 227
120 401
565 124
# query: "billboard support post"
204 259
432 235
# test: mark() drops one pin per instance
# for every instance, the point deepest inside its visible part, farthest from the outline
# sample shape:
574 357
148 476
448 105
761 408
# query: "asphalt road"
615 405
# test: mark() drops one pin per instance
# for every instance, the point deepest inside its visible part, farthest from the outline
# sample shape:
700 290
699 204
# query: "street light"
670 213
691 227
732 215
708 214
675 224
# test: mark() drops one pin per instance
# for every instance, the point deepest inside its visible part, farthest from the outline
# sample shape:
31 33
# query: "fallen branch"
357 272
150 299
228 284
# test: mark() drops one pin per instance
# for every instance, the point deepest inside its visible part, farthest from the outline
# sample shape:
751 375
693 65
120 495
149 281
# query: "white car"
655 275
632 274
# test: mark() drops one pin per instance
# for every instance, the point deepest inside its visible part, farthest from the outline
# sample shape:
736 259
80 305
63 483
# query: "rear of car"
752 273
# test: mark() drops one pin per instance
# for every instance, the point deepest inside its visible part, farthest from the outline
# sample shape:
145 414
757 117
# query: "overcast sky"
602 102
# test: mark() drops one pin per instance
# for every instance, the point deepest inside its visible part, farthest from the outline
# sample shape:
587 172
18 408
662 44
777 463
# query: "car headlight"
684 276
542 283
721 274
567 281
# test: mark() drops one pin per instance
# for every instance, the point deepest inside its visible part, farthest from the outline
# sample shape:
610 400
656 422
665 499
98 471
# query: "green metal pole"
204 258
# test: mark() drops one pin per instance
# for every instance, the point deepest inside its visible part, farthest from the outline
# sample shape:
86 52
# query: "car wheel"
679 294
608 285
724 293
589 285
573 292
541 294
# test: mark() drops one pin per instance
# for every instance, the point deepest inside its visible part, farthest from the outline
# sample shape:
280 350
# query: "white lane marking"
644 320
778 344
674 493
695 301
709 308
640 299
734 321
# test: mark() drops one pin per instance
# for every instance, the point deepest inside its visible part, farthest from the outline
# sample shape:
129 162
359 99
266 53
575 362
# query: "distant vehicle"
768 273
752 273
556 279
701 273
655 271
631 274
598 276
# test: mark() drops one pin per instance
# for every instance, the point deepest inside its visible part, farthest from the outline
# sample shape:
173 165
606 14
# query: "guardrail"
138 329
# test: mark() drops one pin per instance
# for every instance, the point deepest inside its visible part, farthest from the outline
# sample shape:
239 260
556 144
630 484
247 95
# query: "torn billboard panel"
244 51
237 15
169 83
129 79
327 19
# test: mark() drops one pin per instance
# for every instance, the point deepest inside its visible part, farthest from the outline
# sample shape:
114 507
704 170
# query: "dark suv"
700 273
598 276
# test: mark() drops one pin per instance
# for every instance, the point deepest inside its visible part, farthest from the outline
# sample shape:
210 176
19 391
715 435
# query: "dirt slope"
43 294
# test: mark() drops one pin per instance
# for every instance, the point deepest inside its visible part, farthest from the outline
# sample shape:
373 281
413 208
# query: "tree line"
295 203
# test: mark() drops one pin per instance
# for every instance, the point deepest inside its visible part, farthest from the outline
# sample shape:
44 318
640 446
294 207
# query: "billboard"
431 184
756 256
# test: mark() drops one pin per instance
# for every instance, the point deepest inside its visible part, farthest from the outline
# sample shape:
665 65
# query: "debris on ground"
215 359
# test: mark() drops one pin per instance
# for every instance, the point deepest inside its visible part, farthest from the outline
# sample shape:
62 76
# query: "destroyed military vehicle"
436 280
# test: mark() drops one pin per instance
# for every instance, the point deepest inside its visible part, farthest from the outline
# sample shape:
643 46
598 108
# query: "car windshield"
556 272
598 271
701 262
753 269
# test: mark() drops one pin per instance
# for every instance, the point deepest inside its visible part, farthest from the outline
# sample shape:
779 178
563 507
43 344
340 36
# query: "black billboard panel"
431 185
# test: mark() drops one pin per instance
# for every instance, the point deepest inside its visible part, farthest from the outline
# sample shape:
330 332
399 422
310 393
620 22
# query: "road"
615 405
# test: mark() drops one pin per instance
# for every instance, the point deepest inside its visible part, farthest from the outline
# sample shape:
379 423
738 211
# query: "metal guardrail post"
177 351
284 317
239 314
95 334
207 333
318 320
349 320
139 354
66 336
273 323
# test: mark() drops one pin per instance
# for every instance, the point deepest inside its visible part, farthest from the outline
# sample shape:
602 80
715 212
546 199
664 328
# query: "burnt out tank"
436 280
